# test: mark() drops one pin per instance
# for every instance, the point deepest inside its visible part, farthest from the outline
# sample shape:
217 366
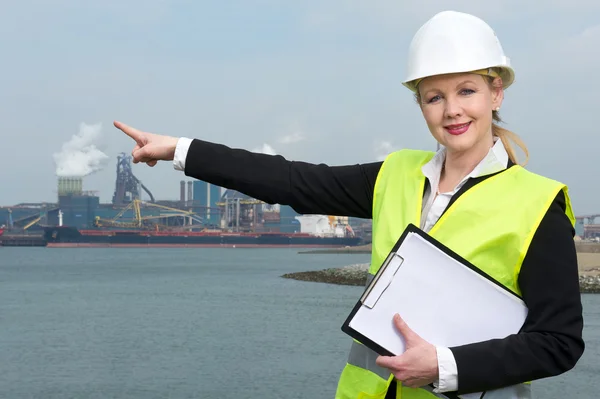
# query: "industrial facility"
202 208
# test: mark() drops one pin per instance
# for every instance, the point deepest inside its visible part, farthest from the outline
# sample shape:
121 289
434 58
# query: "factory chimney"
190 193
70 185
182 192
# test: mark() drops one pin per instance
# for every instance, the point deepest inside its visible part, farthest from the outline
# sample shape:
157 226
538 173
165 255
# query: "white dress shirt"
181 150
433 207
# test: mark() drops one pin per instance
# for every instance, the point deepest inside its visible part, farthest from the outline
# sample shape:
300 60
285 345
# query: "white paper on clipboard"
444 301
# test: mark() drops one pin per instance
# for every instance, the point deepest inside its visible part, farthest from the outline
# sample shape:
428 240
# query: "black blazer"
551 339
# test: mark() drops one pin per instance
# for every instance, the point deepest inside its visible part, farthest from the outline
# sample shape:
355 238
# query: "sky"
312 80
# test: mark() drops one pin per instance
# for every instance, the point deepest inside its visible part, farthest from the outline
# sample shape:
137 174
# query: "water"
190 323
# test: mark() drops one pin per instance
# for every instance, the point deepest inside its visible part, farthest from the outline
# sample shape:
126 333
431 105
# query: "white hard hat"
453 42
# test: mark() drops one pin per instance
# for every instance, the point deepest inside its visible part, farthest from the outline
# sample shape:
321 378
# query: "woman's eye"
432 99
467 91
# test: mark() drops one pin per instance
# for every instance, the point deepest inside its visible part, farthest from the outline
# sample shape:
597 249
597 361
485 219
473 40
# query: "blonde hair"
507 136
503 134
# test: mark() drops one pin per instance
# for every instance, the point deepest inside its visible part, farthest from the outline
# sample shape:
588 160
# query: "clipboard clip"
382 280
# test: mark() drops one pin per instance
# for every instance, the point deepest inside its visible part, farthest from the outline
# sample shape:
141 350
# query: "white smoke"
265 149
79 156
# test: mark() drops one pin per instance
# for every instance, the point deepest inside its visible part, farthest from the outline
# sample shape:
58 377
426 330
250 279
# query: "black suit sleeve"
308 188
550 342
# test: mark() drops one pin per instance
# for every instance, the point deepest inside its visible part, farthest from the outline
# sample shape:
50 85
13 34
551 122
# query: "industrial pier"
202 207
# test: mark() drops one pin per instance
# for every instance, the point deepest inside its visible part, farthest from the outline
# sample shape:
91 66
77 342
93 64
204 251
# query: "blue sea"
191 323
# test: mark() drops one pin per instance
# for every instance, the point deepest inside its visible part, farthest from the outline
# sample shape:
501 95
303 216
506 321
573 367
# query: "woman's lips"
458 128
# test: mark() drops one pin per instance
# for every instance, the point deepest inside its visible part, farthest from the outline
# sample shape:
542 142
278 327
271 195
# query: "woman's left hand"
418 365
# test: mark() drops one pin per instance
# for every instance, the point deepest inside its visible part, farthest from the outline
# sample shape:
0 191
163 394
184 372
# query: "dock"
22 240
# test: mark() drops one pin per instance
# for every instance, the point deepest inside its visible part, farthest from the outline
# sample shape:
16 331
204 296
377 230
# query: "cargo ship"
11 238
68 236
208 218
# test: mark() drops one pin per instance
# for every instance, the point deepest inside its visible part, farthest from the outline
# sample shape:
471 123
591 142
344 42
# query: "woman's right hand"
150 148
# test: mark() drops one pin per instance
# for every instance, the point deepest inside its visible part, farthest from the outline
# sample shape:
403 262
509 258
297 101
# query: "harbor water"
191 323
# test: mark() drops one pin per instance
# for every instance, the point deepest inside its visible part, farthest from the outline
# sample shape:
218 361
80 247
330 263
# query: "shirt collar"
495 161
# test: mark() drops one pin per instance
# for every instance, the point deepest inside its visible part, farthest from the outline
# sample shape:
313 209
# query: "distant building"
579 229
205 200
287 219
78 210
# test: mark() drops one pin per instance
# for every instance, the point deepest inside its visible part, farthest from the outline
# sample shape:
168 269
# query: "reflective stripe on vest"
491 225
361 362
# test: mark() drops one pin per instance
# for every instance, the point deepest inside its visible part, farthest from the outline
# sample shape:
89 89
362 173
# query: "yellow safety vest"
491 225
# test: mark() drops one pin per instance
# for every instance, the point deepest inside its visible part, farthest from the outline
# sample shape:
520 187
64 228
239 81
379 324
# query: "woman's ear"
497 93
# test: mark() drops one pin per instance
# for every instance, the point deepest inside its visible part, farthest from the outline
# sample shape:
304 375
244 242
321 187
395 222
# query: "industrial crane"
140 221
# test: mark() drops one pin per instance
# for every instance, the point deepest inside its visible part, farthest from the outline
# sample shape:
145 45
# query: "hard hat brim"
507 74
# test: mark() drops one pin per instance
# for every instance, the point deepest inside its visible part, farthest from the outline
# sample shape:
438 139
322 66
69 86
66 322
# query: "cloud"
279 73
292 138
581 50
382 149
398 16
394 16
561 59
579 5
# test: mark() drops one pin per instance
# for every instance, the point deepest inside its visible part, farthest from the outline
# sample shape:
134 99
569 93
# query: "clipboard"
442 297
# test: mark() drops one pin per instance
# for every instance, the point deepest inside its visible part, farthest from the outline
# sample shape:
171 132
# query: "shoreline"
359 249
356 275
581 248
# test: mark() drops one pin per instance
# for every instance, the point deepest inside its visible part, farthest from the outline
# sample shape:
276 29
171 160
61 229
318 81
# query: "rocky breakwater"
589 284
348 275
356 274
589 270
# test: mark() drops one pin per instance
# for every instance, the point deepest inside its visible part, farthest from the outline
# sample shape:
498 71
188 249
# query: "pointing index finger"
130 131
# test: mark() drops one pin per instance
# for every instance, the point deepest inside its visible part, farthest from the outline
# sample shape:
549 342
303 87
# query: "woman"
472 195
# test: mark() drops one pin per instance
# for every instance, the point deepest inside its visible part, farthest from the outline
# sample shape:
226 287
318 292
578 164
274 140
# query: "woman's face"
458 110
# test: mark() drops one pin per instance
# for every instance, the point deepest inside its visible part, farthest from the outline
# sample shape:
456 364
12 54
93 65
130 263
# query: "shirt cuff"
181 150
448 371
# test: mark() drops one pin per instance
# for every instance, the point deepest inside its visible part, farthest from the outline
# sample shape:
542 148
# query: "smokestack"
69 185
182 192
190 193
